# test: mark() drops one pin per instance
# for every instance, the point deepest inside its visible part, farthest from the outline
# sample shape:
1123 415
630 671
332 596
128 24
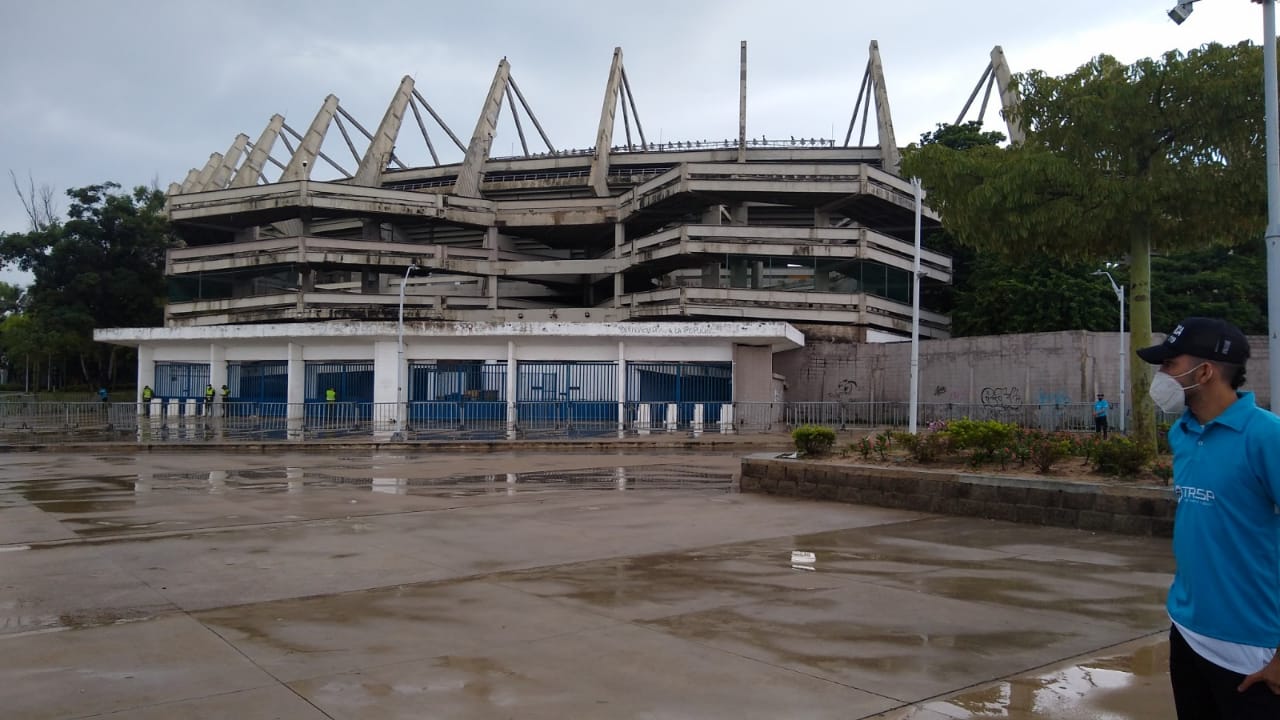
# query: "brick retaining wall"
1087 506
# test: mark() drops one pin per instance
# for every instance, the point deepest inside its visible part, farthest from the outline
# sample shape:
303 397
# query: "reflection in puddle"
97 495
1117 687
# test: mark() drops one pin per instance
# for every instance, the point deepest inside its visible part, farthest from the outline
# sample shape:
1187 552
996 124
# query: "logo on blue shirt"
1196 495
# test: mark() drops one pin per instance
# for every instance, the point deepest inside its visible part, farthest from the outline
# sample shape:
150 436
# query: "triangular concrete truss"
997 74
245 163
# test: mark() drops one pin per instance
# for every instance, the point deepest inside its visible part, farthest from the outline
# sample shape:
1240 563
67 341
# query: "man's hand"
1269 675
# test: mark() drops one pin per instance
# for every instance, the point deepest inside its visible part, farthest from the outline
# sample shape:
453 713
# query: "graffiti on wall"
1005 398
1054 397
844 391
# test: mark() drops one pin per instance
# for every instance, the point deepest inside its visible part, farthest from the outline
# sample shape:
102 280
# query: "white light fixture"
1182 11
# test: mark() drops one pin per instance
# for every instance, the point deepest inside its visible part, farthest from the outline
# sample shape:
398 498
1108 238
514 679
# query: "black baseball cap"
1205 338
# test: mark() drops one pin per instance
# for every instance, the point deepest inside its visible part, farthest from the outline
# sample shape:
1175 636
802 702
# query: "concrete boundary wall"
1087 506
999 371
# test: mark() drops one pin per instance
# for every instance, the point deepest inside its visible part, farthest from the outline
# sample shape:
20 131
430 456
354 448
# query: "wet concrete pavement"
357 585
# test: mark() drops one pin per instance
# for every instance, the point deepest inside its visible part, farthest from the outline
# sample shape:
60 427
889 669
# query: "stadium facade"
593 281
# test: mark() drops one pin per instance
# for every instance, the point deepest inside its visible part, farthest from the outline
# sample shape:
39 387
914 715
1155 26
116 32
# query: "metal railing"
193 420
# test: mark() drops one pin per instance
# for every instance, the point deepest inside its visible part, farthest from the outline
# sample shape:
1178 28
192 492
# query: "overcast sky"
138 91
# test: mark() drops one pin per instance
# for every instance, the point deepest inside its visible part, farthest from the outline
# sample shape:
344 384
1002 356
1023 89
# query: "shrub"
1087 449
982 438
813 439
926 447
1119 456
1162 469
863 447
883 443
1045 452
1162 438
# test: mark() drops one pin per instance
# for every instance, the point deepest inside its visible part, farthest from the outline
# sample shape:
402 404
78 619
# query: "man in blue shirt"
1225 599
1100 409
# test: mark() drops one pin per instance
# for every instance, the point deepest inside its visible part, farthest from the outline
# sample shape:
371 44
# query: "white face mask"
1169 394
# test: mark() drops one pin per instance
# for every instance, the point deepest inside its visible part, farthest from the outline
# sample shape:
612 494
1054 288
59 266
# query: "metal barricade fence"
190 420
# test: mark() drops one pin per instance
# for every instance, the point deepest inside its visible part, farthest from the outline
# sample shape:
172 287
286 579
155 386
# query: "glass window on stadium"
886 282
180 380
264 381
226 284
351 380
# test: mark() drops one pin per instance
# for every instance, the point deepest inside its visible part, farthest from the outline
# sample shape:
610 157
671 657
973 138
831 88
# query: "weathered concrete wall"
1087 506
752 373
1001 370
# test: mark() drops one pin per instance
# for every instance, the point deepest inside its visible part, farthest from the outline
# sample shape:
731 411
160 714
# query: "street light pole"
914 413
401 399
1273 196
1119 291
1270 90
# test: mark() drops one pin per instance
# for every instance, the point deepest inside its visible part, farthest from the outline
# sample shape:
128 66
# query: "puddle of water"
1133 685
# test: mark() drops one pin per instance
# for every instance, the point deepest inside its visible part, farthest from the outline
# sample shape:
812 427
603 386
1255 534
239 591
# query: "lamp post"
401 399
913 414
1119 291
1270 90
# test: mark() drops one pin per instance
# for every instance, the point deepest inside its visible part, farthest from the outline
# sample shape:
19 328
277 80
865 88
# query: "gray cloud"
139 90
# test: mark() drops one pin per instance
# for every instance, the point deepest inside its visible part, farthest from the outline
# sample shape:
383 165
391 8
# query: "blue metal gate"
180 380
352 383
684 384
265 381
577 396
458 392
351 380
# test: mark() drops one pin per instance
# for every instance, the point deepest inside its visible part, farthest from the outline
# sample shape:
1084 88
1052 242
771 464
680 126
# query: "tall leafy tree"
991 294
1162 154
102 267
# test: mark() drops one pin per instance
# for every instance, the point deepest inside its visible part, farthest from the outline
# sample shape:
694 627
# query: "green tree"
993 295
103 267
10 299
1119 160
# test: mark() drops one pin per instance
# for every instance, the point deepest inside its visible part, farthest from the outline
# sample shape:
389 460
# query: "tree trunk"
84 370
1144 410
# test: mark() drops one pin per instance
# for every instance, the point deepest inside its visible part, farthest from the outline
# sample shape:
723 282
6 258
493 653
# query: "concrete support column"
491 280
711 275
738 273
146 370
821 277
386 369
297 393
389 412
752 373
738 213
757 274
146 376
622 389
217 378
619 239
217 366
513 372
712 214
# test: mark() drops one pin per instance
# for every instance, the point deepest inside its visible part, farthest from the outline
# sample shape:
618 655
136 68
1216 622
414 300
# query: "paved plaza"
309 584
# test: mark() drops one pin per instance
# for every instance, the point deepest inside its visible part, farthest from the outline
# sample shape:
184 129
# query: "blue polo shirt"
1226 536
1100 408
